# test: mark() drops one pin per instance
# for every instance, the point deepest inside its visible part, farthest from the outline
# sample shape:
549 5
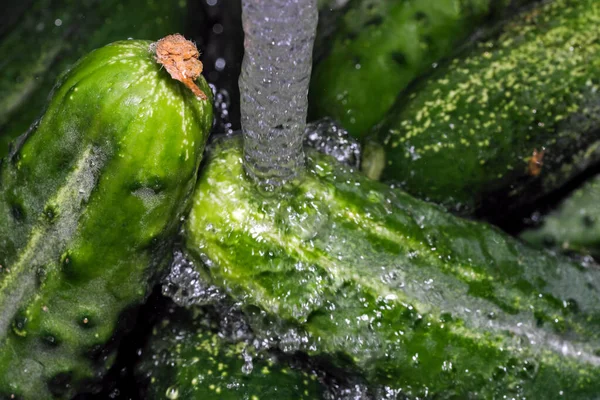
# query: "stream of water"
278 45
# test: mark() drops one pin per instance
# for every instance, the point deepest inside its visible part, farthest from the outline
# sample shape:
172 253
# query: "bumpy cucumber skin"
88 205
574 226
466 137
186 360
54 34
416 299
380 47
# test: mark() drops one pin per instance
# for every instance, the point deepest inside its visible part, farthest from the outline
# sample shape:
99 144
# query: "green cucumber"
416 300
330 17
574 226
89 202
381 46
187 360
508 121
53 34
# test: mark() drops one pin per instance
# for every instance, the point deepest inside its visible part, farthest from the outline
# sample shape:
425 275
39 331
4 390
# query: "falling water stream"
278 45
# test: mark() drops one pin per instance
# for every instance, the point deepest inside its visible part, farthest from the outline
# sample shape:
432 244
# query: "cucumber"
185 359
51 35
381 46
574 226
418 301
89 202
508 121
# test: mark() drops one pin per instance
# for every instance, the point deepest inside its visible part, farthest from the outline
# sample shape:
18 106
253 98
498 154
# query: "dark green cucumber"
52 34
330 17
89 202
575 225
417 300
381 46
187 360
511 119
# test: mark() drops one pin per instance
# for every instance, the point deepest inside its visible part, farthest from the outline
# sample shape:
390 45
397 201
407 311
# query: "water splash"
185 286
222 110
278 44
328 137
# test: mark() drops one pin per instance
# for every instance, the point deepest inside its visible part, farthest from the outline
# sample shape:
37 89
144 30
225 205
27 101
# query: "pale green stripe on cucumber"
396 289
89 203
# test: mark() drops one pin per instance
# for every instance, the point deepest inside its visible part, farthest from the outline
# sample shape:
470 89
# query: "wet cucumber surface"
507 121
380 46
418 301
89 203
319 275
187 359
49 36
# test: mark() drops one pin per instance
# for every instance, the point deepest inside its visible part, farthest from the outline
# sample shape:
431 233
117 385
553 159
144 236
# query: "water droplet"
218 29
571 305
172 393
220 64
248 366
